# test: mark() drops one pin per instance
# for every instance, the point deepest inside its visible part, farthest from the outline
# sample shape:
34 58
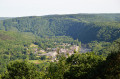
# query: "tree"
110 68
21 70
81 66
0 76
56 70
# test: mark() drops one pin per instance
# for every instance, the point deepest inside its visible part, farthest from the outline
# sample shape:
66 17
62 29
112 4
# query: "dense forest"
84 27
18 45
26 44
77 66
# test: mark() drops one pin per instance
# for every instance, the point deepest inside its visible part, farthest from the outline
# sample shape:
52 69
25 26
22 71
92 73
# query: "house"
42 50
62 50
76 48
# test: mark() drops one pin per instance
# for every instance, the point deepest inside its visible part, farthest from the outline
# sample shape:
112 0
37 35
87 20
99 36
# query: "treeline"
16 45
101 31
13 46
77 66
55 41
103 48
86 66
84 27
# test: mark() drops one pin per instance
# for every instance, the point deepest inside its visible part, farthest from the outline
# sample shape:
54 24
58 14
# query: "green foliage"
110 68
16 45
113 66
77 66
86 66
54 41
85 27
56 70
82 65
13 46
17 34
104 48
101 48
21 70
0 76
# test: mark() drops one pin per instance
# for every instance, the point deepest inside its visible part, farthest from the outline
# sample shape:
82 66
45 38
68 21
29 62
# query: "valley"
58 46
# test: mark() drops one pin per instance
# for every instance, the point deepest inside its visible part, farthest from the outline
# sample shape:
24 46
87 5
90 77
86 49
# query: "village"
52 53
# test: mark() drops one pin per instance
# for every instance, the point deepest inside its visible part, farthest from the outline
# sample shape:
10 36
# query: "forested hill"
85 27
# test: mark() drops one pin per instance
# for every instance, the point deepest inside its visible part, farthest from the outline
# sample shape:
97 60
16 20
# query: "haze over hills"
4 18
59 39
56 43
85 27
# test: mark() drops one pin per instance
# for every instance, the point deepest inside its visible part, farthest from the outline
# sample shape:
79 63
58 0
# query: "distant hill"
23 38
84 27
4 18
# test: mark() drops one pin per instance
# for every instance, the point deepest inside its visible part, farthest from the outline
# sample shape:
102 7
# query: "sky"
19 8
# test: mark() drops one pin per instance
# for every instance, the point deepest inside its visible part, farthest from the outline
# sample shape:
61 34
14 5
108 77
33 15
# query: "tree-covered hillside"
42 39
26 46
85 27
